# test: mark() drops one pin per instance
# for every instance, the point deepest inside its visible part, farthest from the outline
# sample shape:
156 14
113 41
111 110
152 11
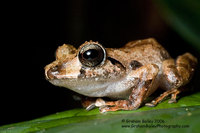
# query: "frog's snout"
62 70
51 72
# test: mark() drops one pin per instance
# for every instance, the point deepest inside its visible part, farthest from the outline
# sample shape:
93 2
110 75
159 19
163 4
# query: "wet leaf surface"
185 112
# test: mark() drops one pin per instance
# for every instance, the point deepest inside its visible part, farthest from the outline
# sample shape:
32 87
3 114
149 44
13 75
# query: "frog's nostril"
54 69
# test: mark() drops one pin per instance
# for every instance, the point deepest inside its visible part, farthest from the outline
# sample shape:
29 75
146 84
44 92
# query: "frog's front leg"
175 75
146 76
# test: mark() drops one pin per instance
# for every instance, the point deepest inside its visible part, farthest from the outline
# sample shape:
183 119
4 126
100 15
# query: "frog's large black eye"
92 55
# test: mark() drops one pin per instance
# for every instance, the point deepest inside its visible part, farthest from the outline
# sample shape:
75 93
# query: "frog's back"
147 51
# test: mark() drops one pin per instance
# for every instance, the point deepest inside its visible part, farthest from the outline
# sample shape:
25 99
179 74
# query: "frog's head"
87 70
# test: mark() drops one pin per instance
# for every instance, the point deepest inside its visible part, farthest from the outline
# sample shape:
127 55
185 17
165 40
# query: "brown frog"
129 74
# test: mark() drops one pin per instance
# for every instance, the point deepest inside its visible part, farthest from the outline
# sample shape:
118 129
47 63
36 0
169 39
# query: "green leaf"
163 120
183 113
184 17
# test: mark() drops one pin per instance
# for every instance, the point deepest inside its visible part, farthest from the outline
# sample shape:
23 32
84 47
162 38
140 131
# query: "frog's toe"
172 101
104 109
150 104
90 107
100 102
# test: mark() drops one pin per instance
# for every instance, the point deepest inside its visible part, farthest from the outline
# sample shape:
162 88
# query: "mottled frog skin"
128 74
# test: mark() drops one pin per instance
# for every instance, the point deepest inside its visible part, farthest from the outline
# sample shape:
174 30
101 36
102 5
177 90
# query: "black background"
33 30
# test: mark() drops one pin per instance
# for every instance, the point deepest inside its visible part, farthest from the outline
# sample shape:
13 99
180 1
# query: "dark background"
34 29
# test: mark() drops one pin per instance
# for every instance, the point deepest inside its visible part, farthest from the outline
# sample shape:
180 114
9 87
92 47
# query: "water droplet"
189 113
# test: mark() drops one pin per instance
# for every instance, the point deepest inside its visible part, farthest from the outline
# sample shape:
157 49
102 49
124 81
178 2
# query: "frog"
126 75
